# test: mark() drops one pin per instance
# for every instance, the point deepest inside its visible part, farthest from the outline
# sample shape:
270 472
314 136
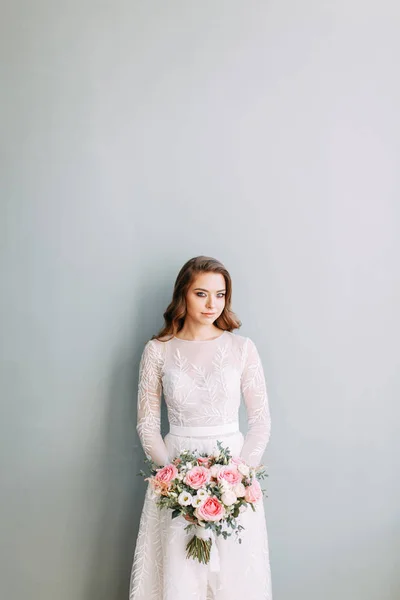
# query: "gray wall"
139 134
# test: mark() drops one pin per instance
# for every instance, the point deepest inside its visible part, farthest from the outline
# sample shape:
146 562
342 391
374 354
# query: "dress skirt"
160 568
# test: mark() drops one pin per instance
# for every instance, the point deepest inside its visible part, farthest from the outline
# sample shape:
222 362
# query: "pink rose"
230 474
210 510
197 477
253 492
204 461
166 474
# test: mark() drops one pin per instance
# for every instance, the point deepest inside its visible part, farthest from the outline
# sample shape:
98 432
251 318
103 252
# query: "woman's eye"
202 294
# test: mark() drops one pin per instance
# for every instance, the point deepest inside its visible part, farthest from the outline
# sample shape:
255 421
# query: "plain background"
136 135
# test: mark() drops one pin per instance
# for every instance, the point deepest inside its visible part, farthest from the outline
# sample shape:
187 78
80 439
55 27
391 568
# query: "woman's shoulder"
239 339
154 351
156 340
156 345
244 343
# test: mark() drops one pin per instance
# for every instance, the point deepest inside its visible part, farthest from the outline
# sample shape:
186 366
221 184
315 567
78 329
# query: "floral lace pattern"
202 383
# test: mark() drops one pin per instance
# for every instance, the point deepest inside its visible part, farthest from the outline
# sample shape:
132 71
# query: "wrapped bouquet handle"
204 545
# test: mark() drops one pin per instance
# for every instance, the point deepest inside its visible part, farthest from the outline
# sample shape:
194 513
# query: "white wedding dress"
202 383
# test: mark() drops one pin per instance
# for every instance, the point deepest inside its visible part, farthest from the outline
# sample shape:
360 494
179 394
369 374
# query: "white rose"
239 490
229 497
185 498
244 470
202 493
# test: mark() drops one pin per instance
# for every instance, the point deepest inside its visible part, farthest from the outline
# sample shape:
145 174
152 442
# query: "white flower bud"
239 490
229 497
244 470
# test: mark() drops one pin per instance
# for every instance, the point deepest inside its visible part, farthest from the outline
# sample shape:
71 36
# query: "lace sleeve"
149 404
254 392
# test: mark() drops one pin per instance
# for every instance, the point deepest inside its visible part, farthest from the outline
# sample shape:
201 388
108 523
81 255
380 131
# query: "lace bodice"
202 383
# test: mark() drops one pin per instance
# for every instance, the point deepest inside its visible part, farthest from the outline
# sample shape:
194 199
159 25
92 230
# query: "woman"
202 369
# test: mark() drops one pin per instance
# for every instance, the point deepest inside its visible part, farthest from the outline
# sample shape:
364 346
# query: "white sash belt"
204 431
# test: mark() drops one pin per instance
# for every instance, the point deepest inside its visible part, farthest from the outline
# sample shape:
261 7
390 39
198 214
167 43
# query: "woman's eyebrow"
203 290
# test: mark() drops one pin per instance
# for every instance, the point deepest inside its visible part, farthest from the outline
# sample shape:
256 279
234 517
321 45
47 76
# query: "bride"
203 370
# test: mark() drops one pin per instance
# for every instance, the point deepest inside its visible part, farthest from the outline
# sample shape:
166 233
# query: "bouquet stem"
199 549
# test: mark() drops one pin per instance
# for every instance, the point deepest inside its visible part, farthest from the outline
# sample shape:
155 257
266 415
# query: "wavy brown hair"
175 314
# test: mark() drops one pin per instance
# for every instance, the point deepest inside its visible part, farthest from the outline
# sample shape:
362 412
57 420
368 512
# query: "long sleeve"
254 390
149 404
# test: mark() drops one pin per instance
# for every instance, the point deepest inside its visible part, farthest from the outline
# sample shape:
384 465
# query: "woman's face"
206 294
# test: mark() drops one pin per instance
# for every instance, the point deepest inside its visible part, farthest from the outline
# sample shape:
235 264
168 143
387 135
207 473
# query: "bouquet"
209 491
